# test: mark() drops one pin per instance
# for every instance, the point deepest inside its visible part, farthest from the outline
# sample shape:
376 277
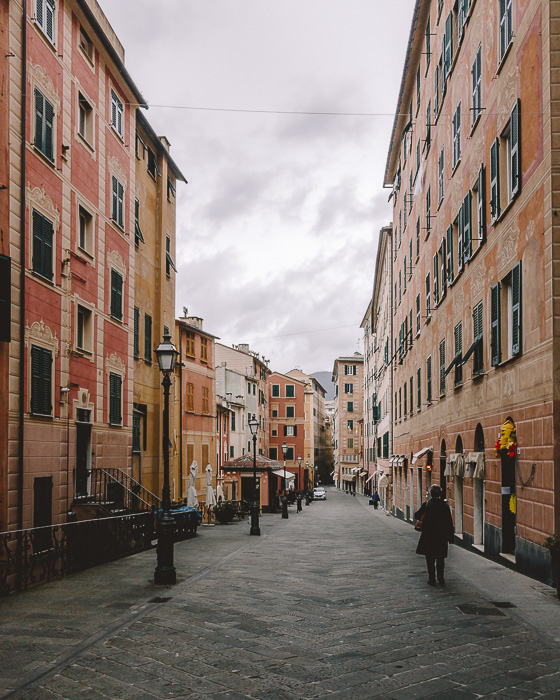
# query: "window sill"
508 361
477 376
120 136
119 226
505 210
88 59
83 140
476 122
454 169
42 416
42 278
44 156
82 352
458 386
82 255
147 362
504 57
115 318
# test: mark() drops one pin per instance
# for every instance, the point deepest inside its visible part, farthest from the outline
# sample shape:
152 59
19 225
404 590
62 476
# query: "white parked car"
319 494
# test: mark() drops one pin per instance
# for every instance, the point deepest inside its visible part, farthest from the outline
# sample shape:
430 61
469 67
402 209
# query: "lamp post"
284 497
166 354
306 482
255 529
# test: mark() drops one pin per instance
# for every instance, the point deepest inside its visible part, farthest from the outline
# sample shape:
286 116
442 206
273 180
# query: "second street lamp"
166 354
255 529
285 496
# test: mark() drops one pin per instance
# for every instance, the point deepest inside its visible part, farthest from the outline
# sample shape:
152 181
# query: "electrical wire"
316 330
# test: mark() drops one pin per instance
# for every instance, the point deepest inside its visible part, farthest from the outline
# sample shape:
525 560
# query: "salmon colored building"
286 400
473 165
68 191
195 408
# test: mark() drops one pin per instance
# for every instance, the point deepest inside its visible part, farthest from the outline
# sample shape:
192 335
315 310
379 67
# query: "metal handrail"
110 485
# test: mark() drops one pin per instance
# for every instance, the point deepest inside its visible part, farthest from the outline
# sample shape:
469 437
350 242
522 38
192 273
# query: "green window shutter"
49 124
115 198
136 331
494 181
41 378
116 295
467 228
481 205
429 379
49 19
147 337
448 43
43 233
516 309
449 235
504 33
495 324
478 330
442 367
458 338
436 279
443 271
460 238
39 16
39 119
115 393
515 161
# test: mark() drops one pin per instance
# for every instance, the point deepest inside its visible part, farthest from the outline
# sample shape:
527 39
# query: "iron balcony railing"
119 491
42 554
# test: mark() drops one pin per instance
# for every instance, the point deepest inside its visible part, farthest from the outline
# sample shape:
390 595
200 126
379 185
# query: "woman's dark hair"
436 492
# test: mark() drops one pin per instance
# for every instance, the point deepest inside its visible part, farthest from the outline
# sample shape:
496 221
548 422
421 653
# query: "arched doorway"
459 491
478 492
442 465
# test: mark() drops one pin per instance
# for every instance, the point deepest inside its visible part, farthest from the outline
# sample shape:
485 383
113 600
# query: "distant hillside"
324 378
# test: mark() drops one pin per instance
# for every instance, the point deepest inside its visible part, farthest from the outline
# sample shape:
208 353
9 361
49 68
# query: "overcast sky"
277 229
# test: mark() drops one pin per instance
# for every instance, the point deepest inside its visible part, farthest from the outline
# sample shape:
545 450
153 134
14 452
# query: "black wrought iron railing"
119 491
42 554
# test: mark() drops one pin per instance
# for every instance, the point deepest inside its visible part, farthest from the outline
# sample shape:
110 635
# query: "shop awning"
370 477
384 463
383 481
333 473
280 473
416 456
348 477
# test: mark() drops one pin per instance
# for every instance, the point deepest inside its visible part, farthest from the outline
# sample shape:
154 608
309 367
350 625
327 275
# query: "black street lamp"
166 355
255 529
306 482
285 496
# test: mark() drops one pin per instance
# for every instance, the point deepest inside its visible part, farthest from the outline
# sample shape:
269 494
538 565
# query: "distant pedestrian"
437 533
374 500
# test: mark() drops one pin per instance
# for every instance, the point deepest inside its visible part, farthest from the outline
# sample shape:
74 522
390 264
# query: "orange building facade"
475 293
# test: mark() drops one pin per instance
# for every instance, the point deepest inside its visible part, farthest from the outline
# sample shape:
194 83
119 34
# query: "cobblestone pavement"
332 603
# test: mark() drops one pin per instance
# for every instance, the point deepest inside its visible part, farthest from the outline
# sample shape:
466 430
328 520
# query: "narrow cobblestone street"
332 603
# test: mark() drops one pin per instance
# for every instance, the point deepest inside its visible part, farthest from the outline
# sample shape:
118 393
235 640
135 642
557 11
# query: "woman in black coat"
437 532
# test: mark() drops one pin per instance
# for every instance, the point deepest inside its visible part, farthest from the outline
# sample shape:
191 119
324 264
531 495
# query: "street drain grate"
503 604
159 599
480 610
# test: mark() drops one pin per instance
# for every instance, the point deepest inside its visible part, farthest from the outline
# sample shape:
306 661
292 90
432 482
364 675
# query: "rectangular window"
84 330
151 163
429 379
85 119
117 207
404 272
411 395
417 314
495 324
205 400
44 17
440 176
136 432
419 388
290 412
289 430
290 391
509 314
350 370
86 44
448 45
350 443
350 426
458 357
478 331
494 180
428 124
428 42
443 267
232 418
476 72
442 367
481 206
436 280
514 158
190 397
204 349
85 230
428 296
138 237
116 295
449 254
348 388
136 331
428 212
170 189
117 113
350 407
147 337
43 233
44 125
467 227
115 399
41 381
506 28
457 135
189 344
405 403
276 390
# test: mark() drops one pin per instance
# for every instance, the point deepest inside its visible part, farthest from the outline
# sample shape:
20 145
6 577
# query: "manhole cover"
479 610
503 604
158 599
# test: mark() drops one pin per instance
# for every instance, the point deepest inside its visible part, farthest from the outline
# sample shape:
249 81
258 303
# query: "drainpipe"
393 409
22 267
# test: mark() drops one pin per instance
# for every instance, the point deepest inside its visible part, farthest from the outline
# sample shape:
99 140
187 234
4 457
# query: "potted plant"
552 543
224 512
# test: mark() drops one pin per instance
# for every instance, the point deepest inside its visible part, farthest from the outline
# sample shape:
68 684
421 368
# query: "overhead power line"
316 330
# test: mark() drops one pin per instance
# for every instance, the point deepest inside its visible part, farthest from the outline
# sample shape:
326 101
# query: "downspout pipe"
180 412
22 311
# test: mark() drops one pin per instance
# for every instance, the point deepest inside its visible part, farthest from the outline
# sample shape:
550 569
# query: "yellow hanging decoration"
513 503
